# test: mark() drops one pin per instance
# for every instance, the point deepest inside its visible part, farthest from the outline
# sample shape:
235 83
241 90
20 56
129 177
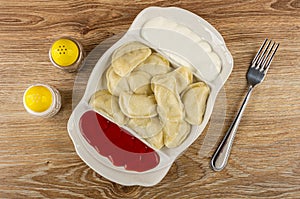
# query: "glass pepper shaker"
67 54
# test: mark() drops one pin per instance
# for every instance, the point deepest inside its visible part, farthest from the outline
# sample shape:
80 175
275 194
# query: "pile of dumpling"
157 101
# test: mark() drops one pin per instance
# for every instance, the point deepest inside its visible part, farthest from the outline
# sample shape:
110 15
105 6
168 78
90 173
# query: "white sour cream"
182 46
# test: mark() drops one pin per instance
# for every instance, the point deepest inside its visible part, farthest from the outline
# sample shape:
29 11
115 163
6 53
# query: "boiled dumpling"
139 82
175 133
146 127
108 105
169 105
156 141
137 106
155 64
194 99
183 77
128 56
115 83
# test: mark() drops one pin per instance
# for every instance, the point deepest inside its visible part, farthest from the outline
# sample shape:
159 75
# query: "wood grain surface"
38 159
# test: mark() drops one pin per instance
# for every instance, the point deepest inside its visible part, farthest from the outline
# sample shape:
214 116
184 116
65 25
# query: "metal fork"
255 75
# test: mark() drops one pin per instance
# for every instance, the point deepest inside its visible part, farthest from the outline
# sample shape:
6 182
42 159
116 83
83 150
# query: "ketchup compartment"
117 144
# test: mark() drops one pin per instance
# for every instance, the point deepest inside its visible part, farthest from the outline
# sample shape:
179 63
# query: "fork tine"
261 57
258 52
271 58
266 57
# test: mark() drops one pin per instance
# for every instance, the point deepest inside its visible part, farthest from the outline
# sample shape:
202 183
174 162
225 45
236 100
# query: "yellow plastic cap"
64 52
38 98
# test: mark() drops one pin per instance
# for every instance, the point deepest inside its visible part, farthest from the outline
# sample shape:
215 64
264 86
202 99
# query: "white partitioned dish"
167 156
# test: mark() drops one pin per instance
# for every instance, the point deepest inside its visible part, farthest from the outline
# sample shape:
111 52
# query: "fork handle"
220 157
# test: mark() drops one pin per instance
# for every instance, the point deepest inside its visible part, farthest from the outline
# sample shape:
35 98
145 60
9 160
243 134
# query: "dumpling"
183 77
137 106
155 64
194 99
115 83
139 82
169 105
128 56
156 141
107 104
146 127
175 133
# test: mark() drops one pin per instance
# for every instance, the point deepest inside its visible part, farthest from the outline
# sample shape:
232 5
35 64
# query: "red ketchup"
115 143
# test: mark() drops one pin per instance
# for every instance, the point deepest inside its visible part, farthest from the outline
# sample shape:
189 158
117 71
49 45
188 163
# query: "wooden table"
38 159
